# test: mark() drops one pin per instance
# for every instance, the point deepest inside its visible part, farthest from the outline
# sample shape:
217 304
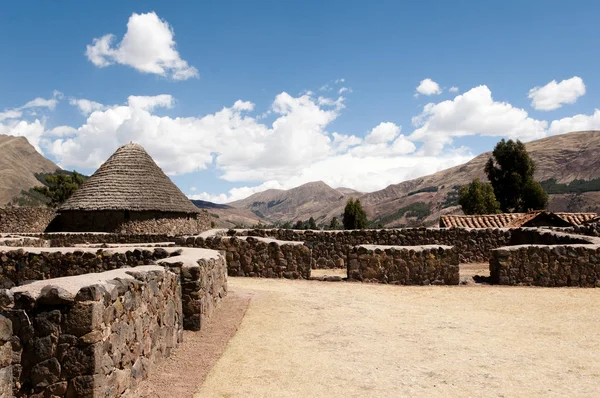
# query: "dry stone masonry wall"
40 219
257 257
93 326
92 335
552 259
25 219
6 356
415 265
330 248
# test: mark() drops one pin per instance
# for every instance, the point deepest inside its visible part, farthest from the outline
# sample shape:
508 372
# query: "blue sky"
358 94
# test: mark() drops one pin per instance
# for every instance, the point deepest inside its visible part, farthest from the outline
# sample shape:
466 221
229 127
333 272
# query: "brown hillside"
299 203
564 157
19 162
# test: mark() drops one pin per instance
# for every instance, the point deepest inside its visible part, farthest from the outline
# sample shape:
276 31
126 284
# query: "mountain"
225 216
19 163
300 203
568 166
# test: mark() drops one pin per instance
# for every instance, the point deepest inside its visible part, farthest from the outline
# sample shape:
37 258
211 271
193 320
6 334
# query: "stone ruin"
90 314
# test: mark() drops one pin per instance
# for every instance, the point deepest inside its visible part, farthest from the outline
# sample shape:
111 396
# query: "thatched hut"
129 193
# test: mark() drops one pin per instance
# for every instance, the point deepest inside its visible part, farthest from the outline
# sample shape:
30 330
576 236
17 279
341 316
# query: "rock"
6 354
6 330
45 373
54 295
83 318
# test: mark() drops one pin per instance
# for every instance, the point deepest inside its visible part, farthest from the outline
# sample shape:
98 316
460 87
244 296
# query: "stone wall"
557 265
203 286
6 354
203 273
329 248
92 335
65 239
256 257
591 229
19 266
415 265
131 222
25 219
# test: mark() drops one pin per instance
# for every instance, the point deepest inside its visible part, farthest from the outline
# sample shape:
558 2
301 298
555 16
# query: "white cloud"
554 95
12 123
61 131
149 103
341 80
294 148
10 114
453 89
428 87
148 46
86 106
473 113
576 123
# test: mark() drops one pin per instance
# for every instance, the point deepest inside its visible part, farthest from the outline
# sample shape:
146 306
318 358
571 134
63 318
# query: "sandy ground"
329 272
320 339
182 373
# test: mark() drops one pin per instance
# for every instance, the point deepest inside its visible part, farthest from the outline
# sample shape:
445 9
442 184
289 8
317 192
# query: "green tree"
510 171
478 198
312 224
335 223
299 225
354 215
60 187
286 225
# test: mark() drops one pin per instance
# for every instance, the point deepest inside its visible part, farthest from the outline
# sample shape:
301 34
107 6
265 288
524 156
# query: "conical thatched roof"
130 180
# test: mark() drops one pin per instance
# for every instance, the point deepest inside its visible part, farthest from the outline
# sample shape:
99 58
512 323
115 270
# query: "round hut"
130 194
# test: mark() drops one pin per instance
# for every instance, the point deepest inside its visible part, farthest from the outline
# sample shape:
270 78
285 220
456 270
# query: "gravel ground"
319 339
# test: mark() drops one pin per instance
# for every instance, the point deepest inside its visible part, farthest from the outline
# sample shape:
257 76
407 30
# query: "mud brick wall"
25 219
252 257
418 265
101 340
559 265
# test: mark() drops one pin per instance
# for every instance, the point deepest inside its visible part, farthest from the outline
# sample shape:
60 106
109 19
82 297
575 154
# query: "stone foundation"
329 248
25 219
78 332
93 335
257 257
550 266
6 356
415 265
130 222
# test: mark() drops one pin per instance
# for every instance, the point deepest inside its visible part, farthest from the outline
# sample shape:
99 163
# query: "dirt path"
319 339
183 372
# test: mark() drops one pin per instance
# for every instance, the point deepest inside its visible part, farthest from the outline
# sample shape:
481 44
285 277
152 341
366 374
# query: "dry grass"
318 339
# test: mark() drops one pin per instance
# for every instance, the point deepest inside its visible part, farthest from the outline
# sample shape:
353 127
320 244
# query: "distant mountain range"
568 166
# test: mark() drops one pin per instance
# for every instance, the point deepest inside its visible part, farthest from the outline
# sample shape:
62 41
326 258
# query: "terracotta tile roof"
510 220
592 220
577 218
478 221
